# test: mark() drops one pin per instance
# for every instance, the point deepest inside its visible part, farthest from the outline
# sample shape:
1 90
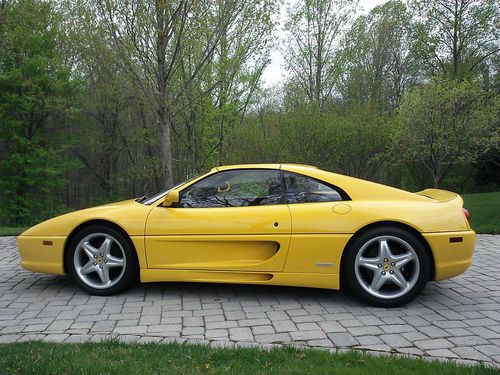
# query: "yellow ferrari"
276 224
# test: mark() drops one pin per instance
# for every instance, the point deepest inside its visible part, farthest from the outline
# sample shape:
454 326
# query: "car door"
230 220
319 221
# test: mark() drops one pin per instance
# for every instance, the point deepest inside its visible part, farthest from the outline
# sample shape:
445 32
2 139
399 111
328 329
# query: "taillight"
466 214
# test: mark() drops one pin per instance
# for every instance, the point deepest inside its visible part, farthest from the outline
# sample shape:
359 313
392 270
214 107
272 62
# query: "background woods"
105 100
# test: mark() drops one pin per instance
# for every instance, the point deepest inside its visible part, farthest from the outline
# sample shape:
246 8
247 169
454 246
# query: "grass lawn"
117 358
11 231
484 211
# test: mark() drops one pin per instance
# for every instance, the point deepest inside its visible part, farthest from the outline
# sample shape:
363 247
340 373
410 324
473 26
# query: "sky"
274 71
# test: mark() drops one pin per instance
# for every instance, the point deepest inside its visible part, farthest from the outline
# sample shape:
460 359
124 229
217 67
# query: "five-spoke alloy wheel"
101 261
387 267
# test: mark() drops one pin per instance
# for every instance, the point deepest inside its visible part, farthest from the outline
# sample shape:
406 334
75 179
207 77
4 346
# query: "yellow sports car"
276 224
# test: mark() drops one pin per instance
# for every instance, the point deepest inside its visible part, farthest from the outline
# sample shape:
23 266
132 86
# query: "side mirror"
171 199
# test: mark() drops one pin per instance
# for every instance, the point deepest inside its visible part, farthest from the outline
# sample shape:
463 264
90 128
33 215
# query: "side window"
237 188
303 189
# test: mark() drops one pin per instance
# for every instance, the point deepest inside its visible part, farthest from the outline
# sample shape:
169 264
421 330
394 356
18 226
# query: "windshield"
150 198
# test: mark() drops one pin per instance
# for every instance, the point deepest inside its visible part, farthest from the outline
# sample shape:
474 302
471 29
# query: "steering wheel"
224 188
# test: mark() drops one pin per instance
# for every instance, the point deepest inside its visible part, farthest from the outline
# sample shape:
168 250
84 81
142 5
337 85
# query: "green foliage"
457 39
445 122
101 100
313 30
35 93
357 141
378 65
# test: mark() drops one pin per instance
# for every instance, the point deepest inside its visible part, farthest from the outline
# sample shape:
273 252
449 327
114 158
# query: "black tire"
127 276
357 278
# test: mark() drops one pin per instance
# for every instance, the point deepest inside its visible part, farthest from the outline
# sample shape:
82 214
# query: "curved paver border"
457 319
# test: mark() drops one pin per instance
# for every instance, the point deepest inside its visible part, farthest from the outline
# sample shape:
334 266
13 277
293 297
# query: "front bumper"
451 258
42 254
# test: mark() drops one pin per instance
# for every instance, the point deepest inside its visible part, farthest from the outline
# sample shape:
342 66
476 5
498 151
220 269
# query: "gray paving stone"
433 332
60 325
214 318
445 353
216 333
307 335
325 343
284 326
365 330
192 321
466 352
376 347
35 328
253 322
147 320
370 320
395 341
489 350
131 330
398 328
125 322
331 327
414 336
223 324
306 318
308 327
275 338
468 341
456 319
433 344
165 328
240 334
369 340
189 331
458 332
261 330
277 315
342 339
106 326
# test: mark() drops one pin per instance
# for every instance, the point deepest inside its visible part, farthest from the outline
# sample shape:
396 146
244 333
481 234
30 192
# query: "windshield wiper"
144 197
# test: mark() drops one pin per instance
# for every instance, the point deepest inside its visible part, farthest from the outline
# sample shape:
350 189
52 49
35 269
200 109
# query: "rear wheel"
101 261
387 267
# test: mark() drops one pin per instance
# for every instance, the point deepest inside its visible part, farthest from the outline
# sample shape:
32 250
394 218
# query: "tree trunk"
164 122
436 178
166 146
164 119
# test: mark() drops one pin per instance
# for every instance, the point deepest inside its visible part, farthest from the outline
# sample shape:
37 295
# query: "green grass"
11 231
117 358
484 211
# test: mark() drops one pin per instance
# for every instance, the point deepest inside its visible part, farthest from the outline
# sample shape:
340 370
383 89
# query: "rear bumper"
451 258
42 254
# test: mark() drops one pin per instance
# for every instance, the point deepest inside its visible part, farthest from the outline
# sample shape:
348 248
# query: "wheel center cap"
100 260
387 266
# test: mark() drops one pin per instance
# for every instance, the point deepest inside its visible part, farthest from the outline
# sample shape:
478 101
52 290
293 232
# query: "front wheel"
101 261
387 267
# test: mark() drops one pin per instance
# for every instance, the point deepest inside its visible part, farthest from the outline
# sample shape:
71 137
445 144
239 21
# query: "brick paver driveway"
458 318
